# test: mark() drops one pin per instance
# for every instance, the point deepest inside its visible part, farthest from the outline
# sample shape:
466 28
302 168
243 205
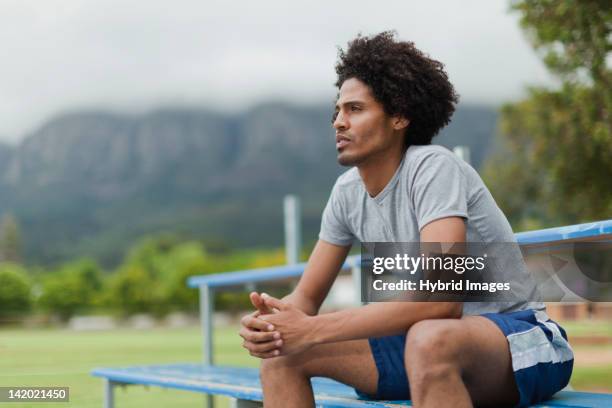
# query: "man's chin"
347 160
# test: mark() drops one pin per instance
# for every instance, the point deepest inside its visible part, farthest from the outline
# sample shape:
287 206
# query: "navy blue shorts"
542 359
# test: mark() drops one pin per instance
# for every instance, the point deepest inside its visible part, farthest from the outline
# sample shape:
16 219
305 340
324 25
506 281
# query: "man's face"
363 129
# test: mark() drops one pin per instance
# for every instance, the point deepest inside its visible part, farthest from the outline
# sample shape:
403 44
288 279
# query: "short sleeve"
439 189
334 228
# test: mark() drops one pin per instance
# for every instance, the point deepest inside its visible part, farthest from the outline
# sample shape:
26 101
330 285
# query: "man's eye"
334 116
355 108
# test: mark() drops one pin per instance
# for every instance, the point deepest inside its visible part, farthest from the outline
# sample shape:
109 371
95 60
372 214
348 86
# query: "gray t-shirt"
430 183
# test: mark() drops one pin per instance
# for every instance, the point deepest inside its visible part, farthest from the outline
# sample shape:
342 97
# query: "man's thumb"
272 302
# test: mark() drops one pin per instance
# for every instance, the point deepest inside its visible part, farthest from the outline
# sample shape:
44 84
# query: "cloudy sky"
137 55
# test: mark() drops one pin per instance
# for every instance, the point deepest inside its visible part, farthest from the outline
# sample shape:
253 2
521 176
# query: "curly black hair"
403 79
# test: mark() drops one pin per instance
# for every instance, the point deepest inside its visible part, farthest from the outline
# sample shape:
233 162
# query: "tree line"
152 278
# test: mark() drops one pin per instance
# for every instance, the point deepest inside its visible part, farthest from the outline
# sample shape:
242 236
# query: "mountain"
91 182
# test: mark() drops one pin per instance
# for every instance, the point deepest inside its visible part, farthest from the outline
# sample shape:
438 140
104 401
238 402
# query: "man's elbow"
450 310
455 310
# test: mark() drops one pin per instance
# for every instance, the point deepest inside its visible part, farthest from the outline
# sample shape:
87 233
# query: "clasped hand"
276 328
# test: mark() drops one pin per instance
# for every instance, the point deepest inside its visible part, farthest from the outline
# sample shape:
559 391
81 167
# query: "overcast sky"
138 55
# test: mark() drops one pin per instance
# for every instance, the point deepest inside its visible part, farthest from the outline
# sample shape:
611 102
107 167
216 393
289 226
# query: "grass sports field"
55 357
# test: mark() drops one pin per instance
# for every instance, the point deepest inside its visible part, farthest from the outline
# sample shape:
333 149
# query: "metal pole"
293 233
463 152
109 398
356 275
207 313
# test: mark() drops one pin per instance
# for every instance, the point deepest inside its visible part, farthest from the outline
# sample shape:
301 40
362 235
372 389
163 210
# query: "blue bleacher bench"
242 384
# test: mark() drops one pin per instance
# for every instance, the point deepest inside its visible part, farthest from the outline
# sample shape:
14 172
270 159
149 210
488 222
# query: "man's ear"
400 122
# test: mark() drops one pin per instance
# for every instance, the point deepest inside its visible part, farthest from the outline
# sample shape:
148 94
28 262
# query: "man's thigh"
349 362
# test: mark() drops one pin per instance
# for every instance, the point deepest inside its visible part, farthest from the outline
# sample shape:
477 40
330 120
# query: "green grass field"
55 357
64 358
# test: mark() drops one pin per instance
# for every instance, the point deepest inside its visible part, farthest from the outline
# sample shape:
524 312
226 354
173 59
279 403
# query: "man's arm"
389 318
260 338
323 266
376 319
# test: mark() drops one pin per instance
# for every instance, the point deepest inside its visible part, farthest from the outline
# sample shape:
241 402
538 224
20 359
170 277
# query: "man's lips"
342 141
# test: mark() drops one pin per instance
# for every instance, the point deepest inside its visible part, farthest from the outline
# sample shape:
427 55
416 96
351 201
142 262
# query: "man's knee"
280 367
432 345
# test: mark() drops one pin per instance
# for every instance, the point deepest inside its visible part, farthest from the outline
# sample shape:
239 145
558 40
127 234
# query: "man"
392 100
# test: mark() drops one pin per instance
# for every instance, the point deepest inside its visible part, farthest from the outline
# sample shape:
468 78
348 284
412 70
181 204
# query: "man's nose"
340 122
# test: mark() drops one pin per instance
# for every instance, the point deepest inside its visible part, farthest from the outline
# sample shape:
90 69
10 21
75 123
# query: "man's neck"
378 171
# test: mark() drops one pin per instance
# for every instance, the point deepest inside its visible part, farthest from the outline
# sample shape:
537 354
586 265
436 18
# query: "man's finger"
269 354
246 318
258 336
260 354
258 302
262 347
256 323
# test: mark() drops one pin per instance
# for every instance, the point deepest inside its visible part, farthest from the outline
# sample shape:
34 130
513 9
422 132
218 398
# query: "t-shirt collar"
378 199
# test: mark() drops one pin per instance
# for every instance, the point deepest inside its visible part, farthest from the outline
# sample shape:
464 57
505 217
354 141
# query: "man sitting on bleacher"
393 100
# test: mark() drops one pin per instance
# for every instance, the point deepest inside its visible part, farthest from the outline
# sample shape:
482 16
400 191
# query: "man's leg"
459 362
450 362
286 379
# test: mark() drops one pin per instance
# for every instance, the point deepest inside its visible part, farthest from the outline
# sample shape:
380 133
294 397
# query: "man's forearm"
377 319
